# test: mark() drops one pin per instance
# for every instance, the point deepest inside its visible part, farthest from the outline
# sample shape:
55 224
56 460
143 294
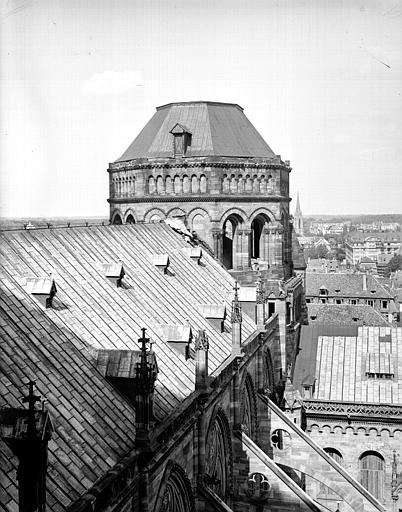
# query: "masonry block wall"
352 440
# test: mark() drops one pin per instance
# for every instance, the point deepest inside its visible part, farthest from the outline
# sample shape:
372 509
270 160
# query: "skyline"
321 82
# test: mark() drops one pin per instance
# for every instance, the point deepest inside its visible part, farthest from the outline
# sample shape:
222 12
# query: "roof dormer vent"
114 272
179 337
215 314
181 139
43 288
162 262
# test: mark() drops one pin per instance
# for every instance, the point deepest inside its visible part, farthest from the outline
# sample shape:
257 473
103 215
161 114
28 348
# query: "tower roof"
217 129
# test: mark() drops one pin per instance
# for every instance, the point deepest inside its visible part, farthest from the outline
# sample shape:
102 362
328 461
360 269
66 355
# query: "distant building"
353 289
368 265
378 226
298 219
382 265
370 245
324 265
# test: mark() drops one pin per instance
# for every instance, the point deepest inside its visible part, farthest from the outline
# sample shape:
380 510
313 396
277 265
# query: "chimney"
259 306
236 322
27 432
201 348
365 282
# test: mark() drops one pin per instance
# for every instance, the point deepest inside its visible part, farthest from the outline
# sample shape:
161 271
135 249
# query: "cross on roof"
31 399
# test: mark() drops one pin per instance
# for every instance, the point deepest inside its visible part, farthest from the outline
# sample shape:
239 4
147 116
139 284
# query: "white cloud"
113 82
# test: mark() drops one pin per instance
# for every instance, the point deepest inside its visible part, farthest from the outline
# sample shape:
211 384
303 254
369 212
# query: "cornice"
205 198
174 164
353 410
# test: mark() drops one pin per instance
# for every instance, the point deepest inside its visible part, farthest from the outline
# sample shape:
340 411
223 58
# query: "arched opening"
117 219
325 491
130 219
372 473
259 240
230 228
151 185
203 184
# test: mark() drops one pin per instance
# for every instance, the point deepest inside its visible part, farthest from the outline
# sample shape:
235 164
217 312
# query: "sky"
321 80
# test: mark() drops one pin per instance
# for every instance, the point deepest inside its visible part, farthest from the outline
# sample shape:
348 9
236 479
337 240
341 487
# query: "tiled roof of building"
340 362
387 236
58 346
345 314
217 129
345 285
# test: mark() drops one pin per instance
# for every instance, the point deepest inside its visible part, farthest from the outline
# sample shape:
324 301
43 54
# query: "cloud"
113 82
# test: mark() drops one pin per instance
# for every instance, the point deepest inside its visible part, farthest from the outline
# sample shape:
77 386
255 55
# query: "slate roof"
218 129
57 347
349 285
338 357
345 314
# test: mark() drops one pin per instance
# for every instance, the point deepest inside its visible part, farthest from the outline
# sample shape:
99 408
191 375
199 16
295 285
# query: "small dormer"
43 289
215 314
179 337
161 262
181 140
195 254
323 291
114 272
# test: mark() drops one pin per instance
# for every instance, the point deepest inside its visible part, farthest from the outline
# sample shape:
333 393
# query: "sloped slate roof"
57 347
94 425
218 129
349 285
344 314
336 357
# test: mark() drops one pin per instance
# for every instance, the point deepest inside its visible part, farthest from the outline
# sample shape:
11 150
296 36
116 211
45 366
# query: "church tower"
298 219
205 162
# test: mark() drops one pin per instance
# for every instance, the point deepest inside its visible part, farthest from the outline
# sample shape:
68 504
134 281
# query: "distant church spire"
298 218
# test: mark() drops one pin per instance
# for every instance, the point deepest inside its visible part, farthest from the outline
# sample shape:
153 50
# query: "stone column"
238 249
246 252
265 245
271 245
217 236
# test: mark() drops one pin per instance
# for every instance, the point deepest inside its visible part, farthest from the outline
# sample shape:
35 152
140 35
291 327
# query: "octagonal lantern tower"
206 163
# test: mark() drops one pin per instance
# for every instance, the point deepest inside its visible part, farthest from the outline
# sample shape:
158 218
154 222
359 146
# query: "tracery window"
177 495
372 473
248 410
217 465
